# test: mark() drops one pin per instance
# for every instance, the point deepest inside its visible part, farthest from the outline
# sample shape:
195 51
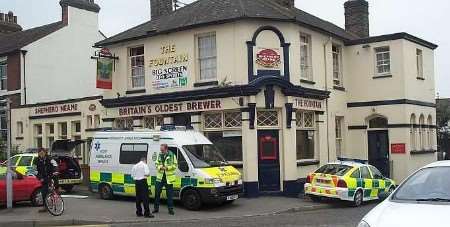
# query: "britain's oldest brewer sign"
170 108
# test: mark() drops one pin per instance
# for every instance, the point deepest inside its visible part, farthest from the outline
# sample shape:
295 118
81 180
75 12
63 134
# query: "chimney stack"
357 17
160 8
88 5
8 23
286 3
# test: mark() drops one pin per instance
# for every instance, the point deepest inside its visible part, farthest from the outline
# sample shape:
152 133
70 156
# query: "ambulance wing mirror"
183 166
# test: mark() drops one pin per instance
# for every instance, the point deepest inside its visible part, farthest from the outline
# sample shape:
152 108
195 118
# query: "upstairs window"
337 66
3 75
207 57
305 57
383 60
419 62
137 67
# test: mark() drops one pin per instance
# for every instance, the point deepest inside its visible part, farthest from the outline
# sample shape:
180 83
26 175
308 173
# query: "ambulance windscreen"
204 155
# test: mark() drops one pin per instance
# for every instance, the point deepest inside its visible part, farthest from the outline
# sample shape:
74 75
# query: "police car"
347 181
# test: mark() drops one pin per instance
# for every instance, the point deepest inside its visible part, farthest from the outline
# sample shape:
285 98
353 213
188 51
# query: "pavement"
90 210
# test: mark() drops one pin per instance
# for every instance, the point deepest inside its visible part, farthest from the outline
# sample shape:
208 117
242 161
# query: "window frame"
383 62
419 64
368 171
4 76
339 134
306 129
133 144
308 64
200 58
337 55
131 67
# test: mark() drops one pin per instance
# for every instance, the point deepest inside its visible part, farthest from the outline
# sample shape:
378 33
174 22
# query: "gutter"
24 53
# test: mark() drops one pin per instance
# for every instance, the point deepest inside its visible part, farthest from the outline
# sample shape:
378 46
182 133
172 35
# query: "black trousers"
169 193
142 197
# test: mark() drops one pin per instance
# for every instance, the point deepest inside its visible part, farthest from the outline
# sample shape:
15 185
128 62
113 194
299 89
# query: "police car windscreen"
334 169
204 155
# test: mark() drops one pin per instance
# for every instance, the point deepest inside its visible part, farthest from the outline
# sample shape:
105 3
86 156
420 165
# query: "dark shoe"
155 211
149 216
171 212
43 210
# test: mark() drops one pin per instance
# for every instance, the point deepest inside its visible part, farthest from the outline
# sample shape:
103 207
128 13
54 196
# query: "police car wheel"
191 199
106 192
316 198
358 199
67 188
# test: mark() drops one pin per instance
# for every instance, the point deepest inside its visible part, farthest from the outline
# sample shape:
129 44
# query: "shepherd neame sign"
55 109
169 108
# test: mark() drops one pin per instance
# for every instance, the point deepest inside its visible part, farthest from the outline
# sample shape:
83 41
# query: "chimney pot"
286 3
160 8
357 17
2 16
9 23
15 19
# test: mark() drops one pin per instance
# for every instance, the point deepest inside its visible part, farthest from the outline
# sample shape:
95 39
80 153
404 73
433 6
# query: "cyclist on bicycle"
46 170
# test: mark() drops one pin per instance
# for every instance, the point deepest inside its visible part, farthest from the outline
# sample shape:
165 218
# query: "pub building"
279 91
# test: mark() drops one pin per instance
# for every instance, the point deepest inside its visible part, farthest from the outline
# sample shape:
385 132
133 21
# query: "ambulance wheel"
315 198
106 192
358 199
191 199
67 188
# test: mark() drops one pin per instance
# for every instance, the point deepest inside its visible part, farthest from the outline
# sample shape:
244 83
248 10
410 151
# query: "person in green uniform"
166 165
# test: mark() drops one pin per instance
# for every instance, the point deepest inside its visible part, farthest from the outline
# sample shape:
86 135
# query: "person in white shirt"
139 173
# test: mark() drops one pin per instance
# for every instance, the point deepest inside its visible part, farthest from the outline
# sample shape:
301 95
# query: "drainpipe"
326 89
24 53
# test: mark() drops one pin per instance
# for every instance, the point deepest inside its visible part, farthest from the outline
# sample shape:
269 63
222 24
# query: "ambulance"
203 175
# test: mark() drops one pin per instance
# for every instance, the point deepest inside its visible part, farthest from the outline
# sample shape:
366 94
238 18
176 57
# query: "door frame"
388 147
278 146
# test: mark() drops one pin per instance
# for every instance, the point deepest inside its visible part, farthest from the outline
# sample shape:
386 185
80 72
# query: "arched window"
422 132
378 122
412 132
430 132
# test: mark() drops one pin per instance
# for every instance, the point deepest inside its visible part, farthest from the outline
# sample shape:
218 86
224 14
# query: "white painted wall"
59 66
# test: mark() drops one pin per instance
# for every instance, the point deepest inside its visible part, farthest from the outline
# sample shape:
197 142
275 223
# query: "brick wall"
13 71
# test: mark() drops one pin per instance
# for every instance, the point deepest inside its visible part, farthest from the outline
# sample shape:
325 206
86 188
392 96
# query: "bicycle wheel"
55 204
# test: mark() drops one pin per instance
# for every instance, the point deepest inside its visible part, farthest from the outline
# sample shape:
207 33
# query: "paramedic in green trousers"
166 165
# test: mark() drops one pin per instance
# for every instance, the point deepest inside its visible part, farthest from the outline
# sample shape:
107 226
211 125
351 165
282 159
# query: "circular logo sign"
92 107
268 58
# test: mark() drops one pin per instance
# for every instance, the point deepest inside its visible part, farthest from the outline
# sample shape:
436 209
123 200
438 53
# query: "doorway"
268 161
379 150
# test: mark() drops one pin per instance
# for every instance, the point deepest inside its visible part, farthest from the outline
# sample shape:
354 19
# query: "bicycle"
53 201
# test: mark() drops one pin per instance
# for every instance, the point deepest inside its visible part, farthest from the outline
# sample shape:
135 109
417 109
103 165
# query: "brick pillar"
357 17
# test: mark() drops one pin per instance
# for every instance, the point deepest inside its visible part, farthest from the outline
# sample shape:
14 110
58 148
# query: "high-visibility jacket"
171 163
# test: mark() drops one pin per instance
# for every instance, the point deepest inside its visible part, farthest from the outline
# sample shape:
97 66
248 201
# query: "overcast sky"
425 19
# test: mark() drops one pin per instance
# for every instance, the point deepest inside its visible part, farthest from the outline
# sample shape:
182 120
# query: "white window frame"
339 133
308 64
131 67
313 128
200 59
337 65
260 111
380 51
419 63
4 75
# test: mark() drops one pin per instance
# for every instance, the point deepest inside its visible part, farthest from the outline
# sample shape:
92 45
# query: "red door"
268 161
2 188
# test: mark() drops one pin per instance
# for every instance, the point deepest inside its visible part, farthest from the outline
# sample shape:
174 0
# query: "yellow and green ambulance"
348 181
202 176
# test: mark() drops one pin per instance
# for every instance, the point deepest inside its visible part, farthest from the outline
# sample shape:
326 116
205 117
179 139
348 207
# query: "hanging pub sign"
105 66
268 58
169 70
104 69
171 108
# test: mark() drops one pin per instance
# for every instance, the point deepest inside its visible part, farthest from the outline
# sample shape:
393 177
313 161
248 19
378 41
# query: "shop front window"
63 130
305 136
223 129
123 123
267 118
